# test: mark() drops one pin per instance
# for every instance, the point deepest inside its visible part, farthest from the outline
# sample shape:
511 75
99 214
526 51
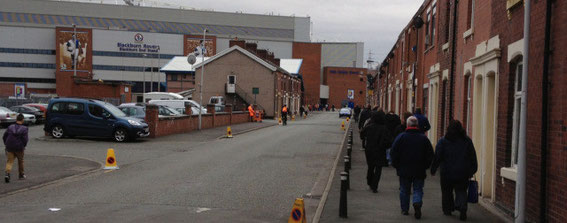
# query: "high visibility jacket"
251 111
284 110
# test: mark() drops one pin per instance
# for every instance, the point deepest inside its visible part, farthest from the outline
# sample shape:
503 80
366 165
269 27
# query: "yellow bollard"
110 160
343 125
347 119
293 117
228 132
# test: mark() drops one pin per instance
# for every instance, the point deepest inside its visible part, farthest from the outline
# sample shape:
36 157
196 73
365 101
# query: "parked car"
218 101
138 110
7 116
345 112
87 117
179 105
10 117
39 115
42 107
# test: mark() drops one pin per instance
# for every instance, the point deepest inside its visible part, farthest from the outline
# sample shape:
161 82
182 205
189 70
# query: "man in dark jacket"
356 112
16 139
424 125
377 139
456 155
412 154
364 115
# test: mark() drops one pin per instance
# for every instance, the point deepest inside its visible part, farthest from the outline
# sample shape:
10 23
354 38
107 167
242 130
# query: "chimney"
252 47
263 54
237 42
271 57
277 61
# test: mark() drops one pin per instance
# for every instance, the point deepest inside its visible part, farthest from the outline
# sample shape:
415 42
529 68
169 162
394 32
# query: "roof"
291 65
243 51
180 64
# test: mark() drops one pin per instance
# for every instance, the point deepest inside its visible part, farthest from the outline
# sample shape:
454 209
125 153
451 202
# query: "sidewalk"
384 206
41 169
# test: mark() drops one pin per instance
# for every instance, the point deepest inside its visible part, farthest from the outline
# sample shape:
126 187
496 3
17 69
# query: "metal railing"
247 97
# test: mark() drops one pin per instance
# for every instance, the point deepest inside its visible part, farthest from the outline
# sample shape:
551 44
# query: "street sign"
20 90
255 90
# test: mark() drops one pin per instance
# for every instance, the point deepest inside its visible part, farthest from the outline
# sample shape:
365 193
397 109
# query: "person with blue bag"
456 157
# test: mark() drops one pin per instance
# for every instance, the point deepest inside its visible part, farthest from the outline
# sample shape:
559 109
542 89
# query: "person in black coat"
377 138
364 115
356 112
456 156
412 155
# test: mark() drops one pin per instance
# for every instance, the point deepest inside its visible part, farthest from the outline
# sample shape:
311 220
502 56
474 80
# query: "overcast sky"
377 23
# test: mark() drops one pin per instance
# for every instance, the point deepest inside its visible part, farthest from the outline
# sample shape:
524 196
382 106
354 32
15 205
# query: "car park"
39 115
345 112
179 105
93 118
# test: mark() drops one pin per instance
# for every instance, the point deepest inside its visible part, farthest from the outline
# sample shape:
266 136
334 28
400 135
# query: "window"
517 111
98 111
58 107
231 79
470 14
425 100
427 24
433 16
75 108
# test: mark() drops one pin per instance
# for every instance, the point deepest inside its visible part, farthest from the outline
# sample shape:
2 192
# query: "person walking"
456 156
301 111
412 155
424 125
377 139
364 115
284 115
15 139
356 113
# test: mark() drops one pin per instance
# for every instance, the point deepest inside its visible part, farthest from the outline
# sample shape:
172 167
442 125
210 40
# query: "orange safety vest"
284 109
251 111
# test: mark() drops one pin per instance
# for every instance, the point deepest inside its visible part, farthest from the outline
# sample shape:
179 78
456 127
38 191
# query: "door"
99 121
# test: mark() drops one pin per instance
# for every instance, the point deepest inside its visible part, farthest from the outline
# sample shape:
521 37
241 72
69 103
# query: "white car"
346 112
8 117
179 105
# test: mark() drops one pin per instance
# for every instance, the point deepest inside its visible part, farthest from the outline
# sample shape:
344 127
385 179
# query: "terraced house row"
463 59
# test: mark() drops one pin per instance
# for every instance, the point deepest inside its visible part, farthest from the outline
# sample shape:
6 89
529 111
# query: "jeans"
460 200
405 191
10 156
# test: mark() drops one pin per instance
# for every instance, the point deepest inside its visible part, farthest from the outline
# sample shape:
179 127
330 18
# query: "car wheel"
57 132
120 135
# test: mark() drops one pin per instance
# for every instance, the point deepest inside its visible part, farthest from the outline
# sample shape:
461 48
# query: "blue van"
88 117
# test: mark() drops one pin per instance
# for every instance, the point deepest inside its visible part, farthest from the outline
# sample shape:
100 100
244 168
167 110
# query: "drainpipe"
544 115
520 206
453 60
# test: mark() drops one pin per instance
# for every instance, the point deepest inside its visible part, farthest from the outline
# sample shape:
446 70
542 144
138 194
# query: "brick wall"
190 122
310 69
340 80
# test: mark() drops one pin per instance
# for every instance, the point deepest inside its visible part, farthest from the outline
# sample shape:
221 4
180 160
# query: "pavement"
384 206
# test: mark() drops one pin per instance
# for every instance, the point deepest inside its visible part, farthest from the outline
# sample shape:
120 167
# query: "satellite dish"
191 58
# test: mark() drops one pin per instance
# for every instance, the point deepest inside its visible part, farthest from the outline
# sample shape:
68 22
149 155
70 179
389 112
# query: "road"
254 177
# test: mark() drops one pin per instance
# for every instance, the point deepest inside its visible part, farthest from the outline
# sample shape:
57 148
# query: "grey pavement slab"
43 169
384 206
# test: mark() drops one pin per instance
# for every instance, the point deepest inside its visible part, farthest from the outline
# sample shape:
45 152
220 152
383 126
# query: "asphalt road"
254 177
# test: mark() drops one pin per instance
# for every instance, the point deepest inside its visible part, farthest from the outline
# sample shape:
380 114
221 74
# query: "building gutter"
544 114
520 201
453 61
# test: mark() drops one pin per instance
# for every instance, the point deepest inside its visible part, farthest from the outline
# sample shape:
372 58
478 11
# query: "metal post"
144 74
521 181
74 50
159 73
202 74
152 76
343 200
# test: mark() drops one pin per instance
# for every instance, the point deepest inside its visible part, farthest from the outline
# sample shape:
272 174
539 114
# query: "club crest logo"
138 37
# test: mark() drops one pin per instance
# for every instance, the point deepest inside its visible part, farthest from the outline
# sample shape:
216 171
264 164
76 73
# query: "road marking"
108 171
199 210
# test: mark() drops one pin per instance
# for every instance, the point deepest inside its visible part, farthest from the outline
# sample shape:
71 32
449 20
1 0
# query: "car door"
99 121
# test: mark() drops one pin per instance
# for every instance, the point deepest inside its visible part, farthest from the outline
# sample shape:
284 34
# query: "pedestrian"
15 139
251 112
377 139
456 156
356 112
301 111
412 155
423 122
307 111
364 115
402 127
284 115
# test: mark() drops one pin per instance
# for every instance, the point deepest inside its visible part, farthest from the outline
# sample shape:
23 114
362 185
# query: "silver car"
7 116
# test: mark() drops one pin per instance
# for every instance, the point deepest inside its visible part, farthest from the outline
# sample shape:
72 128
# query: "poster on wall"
73 49
195 44
20 90
350 94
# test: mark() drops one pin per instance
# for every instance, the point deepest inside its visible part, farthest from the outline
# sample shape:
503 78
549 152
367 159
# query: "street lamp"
202 74
144 73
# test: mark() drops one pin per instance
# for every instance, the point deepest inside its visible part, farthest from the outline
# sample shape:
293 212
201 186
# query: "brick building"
464 59
346 84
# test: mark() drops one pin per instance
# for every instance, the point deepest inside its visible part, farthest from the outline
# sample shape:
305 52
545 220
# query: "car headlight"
132 122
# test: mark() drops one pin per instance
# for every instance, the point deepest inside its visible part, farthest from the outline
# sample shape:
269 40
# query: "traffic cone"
347 119
343 125
293 117
228 132
297 212
110 160
280 121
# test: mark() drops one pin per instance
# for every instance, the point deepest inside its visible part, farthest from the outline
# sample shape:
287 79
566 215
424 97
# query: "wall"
310 69
342 79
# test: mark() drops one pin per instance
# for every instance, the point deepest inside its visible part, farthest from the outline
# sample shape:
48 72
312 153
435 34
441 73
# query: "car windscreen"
113 110
31 108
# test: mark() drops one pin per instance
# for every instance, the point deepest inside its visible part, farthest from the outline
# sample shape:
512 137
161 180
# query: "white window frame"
516 114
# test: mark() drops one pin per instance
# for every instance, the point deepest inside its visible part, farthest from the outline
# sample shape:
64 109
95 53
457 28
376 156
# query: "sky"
377 23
